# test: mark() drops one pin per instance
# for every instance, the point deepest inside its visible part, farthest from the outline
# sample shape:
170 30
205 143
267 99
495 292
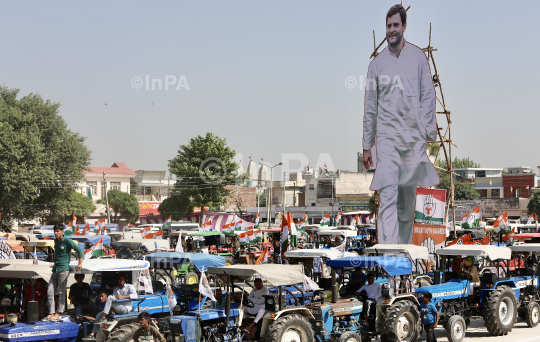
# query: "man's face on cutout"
395 30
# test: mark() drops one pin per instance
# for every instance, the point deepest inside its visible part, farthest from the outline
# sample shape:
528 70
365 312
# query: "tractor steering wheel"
249 303
79 316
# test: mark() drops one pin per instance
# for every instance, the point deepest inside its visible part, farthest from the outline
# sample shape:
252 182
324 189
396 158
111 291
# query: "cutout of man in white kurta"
399 117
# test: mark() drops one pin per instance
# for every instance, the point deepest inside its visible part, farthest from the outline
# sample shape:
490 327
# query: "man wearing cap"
58 282
470 272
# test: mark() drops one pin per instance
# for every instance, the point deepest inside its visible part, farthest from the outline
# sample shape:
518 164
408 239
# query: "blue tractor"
495 299
74 327
397 310
529 308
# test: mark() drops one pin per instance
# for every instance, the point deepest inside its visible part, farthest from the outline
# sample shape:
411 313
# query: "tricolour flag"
464 240
258 234
325 220
69 230
166 223
204 287
157 235
86 230
284 239
292 232
490 183
501 224
341 248
145 231
338 219
301 225
325 168
257 219
95 251
430 206
228 229
527 187
472 218
48 237
246 238
263 258
356 220
207 226
511 189
74 221
530 220
237 224
372 219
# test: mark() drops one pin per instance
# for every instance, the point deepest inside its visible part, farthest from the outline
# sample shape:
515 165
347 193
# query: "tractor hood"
449 290
39 331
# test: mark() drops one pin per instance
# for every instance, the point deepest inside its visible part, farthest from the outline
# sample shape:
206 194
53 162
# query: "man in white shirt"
399 111
257 297
122 291
372 293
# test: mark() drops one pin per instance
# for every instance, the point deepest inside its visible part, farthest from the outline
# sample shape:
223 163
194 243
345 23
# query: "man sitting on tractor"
80 295
357 279
122 291
256 296
147 332
470 272
369 294
221 300
124 253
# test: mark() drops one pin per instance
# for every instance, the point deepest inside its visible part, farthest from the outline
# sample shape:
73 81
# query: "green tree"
462 190
262 199
77 204
133 186
372 207
534 204
177 207
123 205
42 161
204 168
459 163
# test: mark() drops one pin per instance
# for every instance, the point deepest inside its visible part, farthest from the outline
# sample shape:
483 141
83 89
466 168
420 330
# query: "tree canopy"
176 207
123 205
462 190
533 207
41 159
77 204
204 167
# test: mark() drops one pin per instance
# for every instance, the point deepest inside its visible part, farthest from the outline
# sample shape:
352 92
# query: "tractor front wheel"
532 315
403 319
350 336
290 328
456 327
191 278
500 311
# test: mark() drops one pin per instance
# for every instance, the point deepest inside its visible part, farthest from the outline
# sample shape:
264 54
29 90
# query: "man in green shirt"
62 256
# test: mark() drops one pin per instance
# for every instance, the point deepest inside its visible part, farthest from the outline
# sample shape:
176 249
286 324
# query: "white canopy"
318 253
526 247
150 244
27 262
493 252
336 232
26 237
100 265
23 271
277 275
416 252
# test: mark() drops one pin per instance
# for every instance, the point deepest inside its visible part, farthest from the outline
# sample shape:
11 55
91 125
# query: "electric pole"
106 199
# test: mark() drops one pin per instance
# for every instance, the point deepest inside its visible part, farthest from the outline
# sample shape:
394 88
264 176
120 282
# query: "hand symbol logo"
429 207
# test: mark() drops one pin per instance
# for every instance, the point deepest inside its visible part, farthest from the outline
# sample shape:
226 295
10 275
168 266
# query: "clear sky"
267 75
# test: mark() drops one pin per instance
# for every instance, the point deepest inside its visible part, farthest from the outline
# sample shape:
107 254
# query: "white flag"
204 287
179 248
309 284
170 296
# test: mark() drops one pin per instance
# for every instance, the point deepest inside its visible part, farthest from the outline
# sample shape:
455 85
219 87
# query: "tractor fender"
268 319
103 333
405 296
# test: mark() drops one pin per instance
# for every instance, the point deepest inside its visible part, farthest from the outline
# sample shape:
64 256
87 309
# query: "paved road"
477 332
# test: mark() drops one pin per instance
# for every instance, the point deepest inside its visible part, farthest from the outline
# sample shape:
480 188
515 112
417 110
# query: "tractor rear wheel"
350 336
532 315
290 328
500 311
456 327
191 278
124 333
403 319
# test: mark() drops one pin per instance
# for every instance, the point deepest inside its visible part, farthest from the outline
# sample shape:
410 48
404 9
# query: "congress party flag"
501 224
204 287
166 223
264 257
325 220
430 206
472 218
95 251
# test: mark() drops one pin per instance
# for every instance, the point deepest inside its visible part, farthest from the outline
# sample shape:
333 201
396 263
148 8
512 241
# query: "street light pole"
271 192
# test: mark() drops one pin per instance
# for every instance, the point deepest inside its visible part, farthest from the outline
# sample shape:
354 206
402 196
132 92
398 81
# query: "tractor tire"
229 260
290 328
162 276
403 319
124 333
350 336
456 327
191 278
326 272
532 315
500 311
